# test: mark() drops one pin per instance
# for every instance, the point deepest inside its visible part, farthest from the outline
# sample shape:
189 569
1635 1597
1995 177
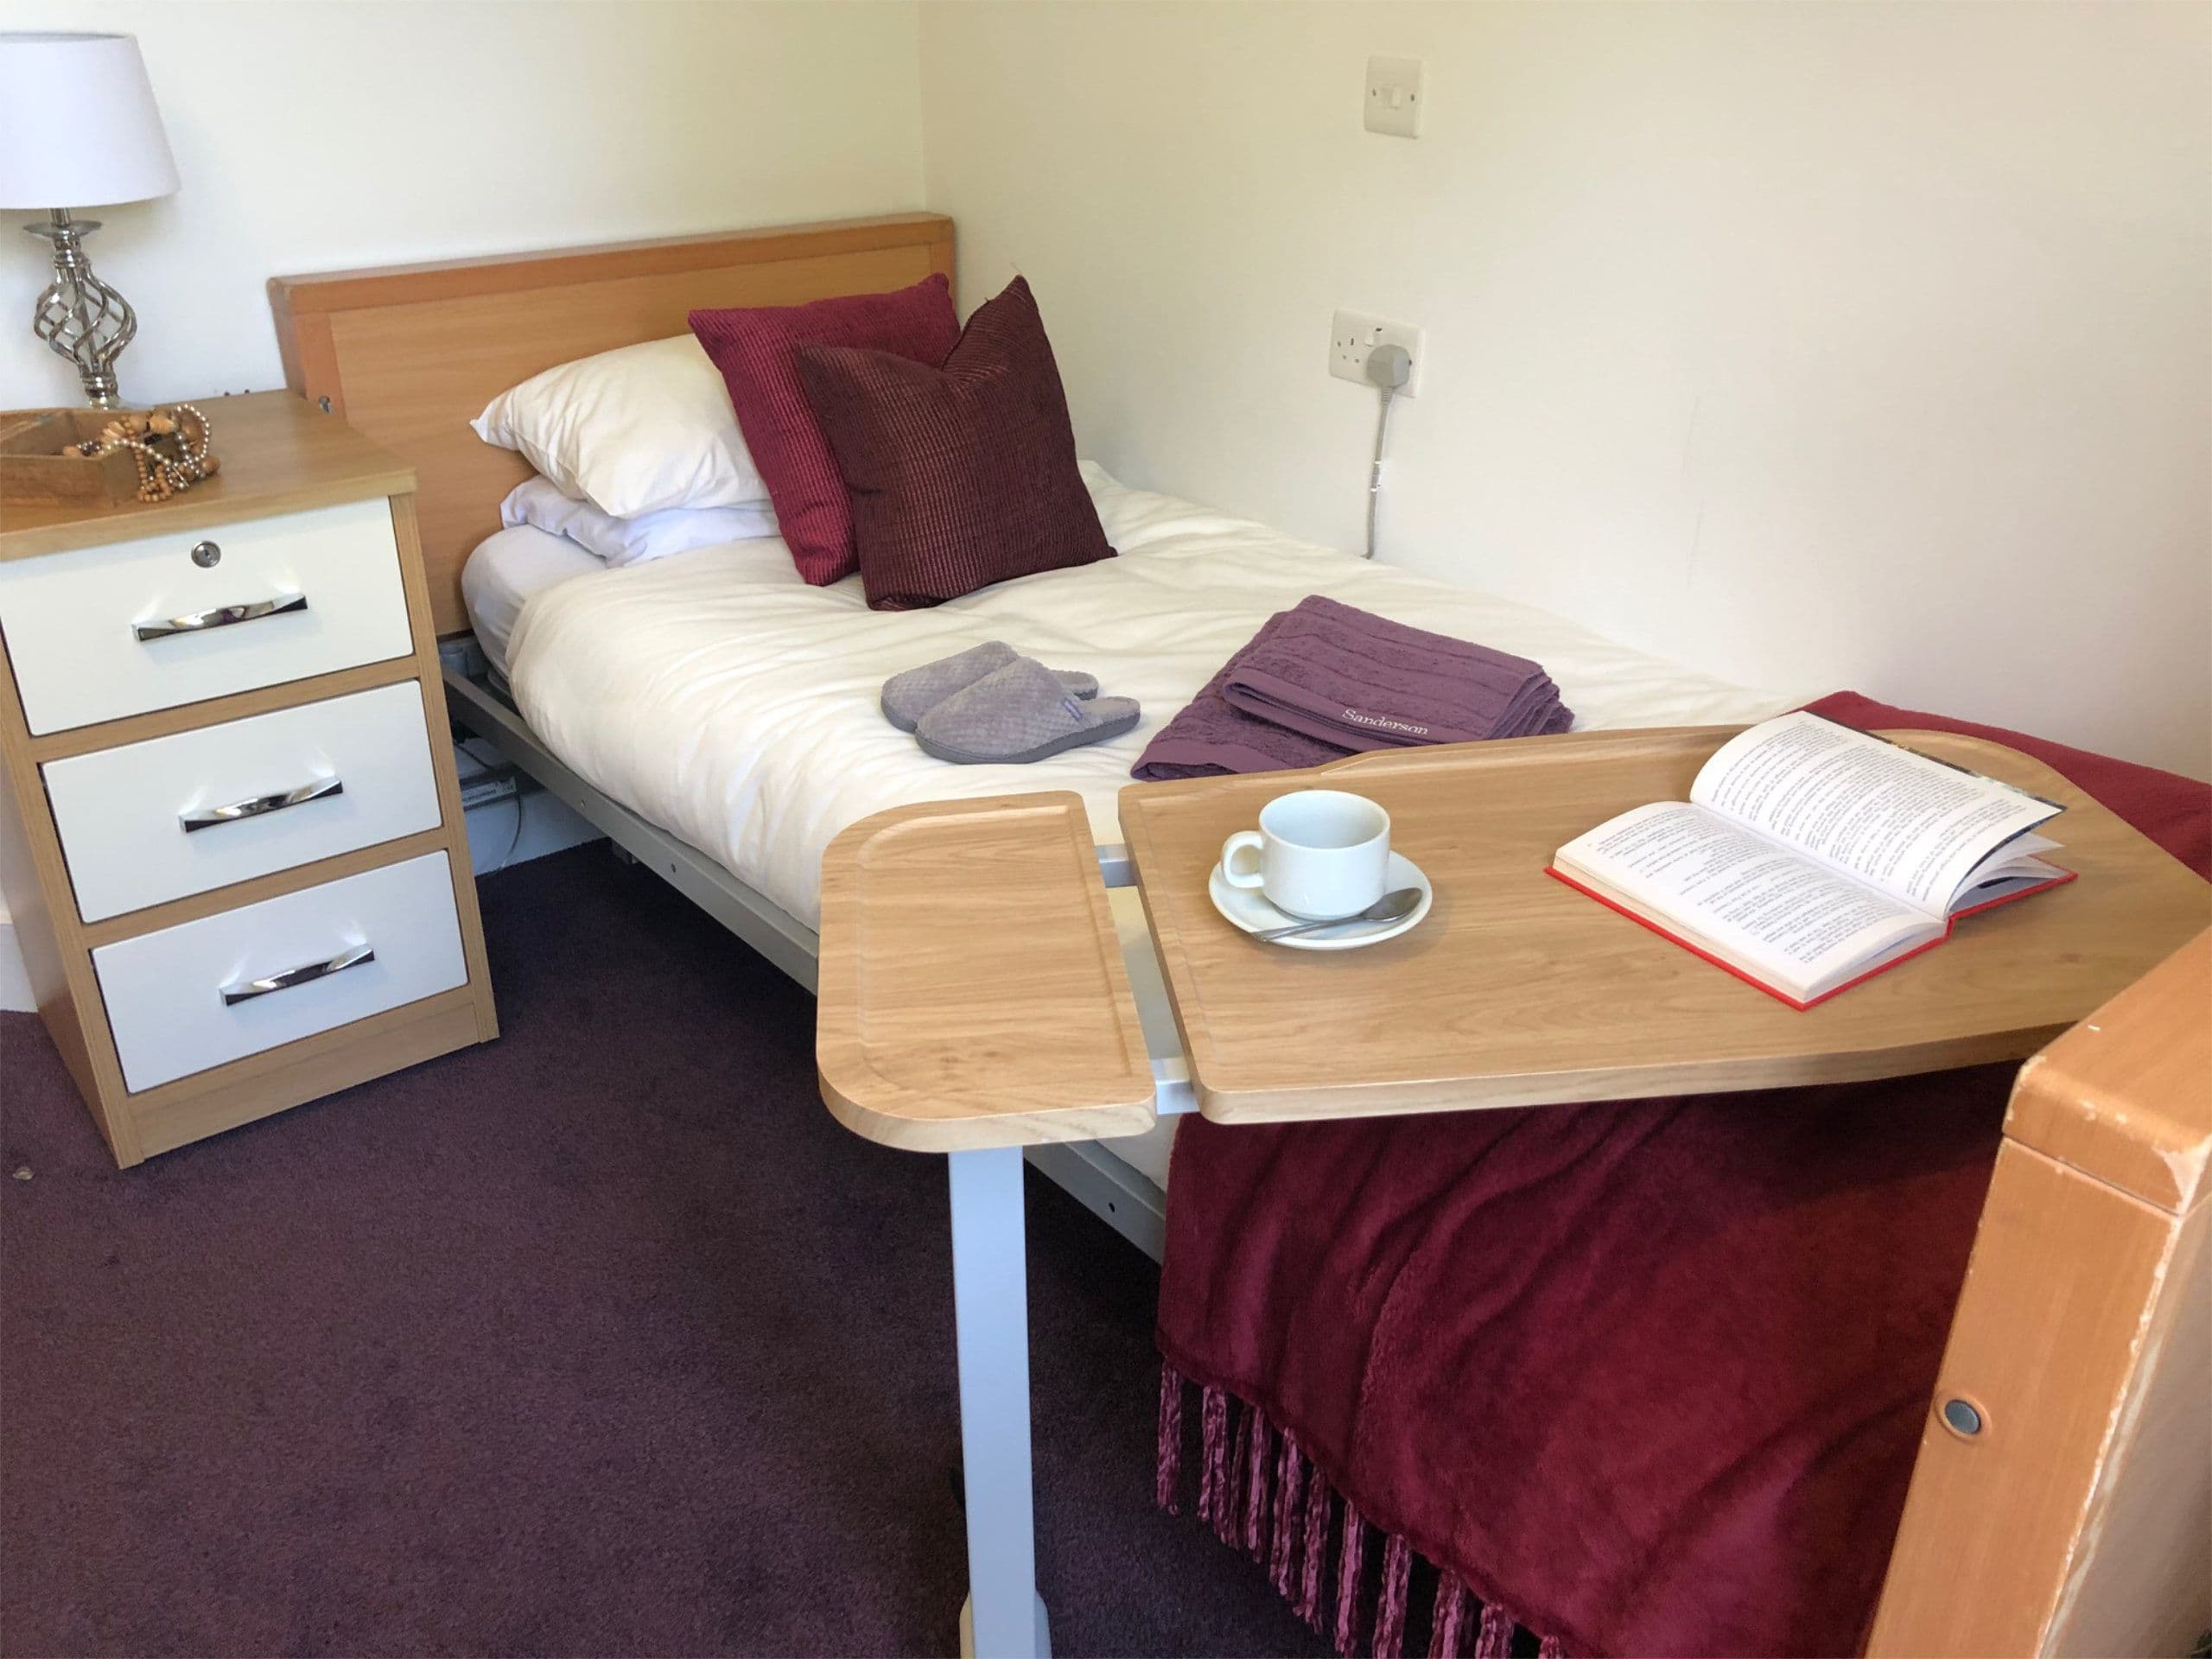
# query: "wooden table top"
972 992
1518 990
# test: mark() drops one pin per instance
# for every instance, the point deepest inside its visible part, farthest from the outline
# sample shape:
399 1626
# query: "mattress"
721 698
718 696
507 569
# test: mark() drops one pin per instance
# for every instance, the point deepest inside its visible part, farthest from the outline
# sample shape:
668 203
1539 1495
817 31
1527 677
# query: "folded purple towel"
1363 682
1207 737
1402 676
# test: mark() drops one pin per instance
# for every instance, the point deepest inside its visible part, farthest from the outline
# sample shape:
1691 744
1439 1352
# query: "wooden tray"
1518 990
34 472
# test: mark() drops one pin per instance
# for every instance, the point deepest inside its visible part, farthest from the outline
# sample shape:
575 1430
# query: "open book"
1810 856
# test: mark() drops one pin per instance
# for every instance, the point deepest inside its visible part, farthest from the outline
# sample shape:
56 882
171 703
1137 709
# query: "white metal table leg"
1004 1618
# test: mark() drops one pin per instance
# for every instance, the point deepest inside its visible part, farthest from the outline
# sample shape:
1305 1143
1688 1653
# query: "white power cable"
514 839
1375 471
1389 367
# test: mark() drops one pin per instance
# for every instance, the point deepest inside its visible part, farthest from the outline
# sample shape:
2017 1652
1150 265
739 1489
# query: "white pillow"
631 541
635 430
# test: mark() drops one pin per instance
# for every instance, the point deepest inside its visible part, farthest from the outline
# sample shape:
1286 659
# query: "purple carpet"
602 1339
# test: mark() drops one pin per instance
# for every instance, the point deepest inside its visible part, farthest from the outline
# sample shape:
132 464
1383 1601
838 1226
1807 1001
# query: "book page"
1994 881
1799 923
1912 826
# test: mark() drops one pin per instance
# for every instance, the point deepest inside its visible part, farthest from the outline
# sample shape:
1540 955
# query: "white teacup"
1322 854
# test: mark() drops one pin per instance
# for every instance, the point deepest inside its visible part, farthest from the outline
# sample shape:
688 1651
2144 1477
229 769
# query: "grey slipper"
908 697
1019 714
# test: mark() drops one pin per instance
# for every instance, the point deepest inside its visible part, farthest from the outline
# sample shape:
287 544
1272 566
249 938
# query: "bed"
713 715
727 702
767 741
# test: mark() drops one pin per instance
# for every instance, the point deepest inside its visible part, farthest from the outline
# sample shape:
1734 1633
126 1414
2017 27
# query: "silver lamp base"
79 315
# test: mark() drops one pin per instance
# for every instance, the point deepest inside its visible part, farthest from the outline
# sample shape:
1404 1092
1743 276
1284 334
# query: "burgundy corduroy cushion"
961 476
753 346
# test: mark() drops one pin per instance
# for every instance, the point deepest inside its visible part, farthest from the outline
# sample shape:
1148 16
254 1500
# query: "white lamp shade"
79 127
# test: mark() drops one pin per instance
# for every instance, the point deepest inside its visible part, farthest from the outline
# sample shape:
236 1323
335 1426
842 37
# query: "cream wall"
1816 345
315 135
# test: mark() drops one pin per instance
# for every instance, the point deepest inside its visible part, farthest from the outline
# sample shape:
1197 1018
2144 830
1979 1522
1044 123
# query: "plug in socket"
1353 335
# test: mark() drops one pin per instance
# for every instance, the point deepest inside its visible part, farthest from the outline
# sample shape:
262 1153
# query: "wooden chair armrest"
2069 1509
2125 1096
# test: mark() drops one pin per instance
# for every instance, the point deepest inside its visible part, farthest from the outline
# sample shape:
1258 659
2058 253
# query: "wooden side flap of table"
972 989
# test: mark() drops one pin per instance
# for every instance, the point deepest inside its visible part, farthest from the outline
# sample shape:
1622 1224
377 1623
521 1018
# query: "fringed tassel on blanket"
1167 1468
1308 1605
1256 1485
1284 1525
1228 1519
1495 1639
1350 1559
1390 1611
1290 1485
1451 1613
1213 1456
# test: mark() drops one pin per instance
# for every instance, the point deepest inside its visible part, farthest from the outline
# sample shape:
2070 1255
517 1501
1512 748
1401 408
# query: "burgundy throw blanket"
1642 1377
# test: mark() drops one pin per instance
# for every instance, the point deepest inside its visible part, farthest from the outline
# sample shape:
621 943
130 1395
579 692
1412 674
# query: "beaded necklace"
170 458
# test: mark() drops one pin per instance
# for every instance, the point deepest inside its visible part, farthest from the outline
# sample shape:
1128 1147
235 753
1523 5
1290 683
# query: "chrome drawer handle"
222 616
233 995
207 817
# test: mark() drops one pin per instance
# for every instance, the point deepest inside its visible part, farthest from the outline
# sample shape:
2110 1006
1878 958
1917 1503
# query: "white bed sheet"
508 567
718 696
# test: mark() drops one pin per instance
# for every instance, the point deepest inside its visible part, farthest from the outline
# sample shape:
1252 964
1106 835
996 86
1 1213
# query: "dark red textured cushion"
753 346
960 476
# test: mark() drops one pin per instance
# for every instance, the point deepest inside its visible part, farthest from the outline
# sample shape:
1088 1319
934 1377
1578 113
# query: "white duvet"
718 696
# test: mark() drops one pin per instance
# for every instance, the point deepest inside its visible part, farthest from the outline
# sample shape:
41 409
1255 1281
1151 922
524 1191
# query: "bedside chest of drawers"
230 836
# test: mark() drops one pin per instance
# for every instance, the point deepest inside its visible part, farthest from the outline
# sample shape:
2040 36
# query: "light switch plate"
1395 97
1353 335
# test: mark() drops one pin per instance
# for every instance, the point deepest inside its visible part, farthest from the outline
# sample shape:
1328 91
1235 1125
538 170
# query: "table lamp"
79 125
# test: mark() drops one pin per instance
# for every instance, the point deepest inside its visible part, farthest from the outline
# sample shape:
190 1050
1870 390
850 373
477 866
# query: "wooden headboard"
410 354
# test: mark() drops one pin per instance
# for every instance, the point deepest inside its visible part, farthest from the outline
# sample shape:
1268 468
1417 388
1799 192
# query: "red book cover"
1779 996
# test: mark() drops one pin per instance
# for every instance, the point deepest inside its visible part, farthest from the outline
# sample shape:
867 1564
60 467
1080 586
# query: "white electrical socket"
1353 335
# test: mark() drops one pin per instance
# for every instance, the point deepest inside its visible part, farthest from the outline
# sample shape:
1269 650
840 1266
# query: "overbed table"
974 1000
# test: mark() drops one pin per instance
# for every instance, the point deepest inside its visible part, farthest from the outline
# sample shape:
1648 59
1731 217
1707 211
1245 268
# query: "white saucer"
1248 909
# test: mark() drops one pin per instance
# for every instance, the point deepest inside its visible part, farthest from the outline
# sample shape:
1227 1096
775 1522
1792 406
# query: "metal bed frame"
1118 1194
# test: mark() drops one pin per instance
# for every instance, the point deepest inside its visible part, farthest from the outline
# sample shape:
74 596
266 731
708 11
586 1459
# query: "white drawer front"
262 794
165 991
71 619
